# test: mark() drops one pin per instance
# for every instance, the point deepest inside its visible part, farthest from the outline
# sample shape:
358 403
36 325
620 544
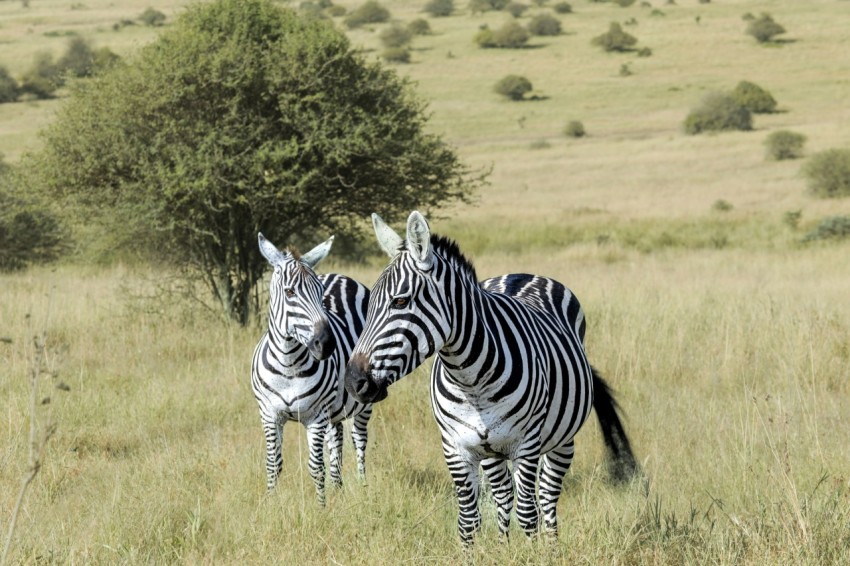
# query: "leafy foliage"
396 54
615 39
830 228
419 26
516 9
544 24
764 28
242 117
828 173
563 8
395 35
754 98
440 8
574 129
371 12
9 87
509 36
784 144
152 17
43 78
718 112
514 87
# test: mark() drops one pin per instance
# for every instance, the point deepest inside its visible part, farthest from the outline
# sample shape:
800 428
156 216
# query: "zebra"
314 322
511 381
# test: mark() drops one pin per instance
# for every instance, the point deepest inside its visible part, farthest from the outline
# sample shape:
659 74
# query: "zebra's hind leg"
555 466
525 478
316 463
499 478
359 436
273 432
335 442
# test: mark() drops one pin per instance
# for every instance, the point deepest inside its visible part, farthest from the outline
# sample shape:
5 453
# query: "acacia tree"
243 117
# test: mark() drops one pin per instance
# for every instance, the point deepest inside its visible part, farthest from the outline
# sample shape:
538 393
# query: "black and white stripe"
296 374
511 382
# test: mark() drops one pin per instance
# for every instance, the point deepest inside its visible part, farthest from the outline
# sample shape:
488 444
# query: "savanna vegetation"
724 328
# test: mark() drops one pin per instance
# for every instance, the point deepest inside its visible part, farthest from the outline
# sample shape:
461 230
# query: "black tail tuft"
622 464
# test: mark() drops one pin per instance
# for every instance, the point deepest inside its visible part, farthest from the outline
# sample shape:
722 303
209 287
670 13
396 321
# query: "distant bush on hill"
8 86
440 8
396 54
395 35
764 28
514 87
477 6
784 144
516 9
717 112
419 26
544 24
754 98
369 13
831 228
615 39
574 129
42 78
152 17
828 173
563 8
509 36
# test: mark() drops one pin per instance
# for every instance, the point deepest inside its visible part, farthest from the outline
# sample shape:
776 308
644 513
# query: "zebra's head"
296 311
409 317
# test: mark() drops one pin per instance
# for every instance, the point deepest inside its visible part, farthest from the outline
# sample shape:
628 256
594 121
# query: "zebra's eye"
290 292
399 302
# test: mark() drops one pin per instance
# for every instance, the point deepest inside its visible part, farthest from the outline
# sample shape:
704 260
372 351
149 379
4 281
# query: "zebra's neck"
471 350
292 359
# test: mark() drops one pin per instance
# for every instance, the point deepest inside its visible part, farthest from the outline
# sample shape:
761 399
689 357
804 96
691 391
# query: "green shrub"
754 98
539 144
574 129
516 9
395 35
476 6
828 173
440 8
784 144
396 54
717 112
152 17
624 3
43 77
336 11
830 228
615 39
78 59
514 87
419 26
544 24
644 52
8 86
509 36
792 218
721 205
764 28
563 8
369 13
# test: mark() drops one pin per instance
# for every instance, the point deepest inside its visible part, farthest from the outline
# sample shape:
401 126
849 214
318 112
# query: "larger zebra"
511 382
314 322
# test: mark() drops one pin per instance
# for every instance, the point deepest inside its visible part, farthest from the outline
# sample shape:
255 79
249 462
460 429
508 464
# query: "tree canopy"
243 117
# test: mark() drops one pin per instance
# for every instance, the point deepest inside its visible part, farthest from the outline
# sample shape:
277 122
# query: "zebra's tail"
622 465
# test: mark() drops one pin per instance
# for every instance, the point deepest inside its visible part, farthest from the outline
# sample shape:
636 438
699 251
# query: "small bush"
784 144
539 144
764 28
477 6
626 70
78 60
43 78
721 205
792 218
336 11
509 36
514 87
644 52
516 9
831 228
624 3
395 36
369 13
563 8
828 173
440 8
748 17
396 54
718 112
419 26
152 17
544 24
754 98
8 86
574 129
615 39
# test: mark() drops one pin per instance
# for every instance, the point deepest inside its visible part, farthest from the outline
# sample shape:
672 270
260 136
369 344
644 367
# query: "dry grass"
726 340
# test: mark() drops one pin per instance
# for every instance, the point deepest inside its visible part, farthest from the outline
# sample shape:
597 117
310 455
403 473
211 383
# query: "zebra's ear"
389 241
269 251
317 254
419 240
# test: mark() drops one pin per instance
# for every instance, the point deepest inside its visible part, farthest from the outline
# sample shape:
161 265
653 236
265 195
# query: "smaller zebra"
298 365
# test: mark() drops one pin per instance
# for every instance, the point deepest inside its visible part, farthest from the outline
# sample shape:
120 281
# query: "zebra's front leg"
502 486
316 464
359 435
525 478
555 466
466 479
273 432
335 442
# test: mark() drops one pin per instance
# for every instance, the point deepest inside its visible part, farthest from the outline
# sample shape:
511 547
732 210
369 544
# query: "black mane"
451 252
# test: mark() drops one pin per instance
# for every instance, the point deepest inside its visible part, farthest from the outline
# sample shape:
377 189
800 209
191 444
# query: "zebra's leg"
499 478
273 432
525 478
466 479
335 442
316 464
359 436
555 466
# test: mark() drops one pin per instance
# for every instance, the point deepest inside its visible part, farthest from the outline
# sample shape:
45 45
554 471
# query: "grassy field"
727 340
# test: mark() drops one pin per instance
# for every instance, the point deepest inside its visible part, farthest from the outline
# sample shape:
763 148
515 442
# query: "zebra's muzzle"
322 343
359 381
